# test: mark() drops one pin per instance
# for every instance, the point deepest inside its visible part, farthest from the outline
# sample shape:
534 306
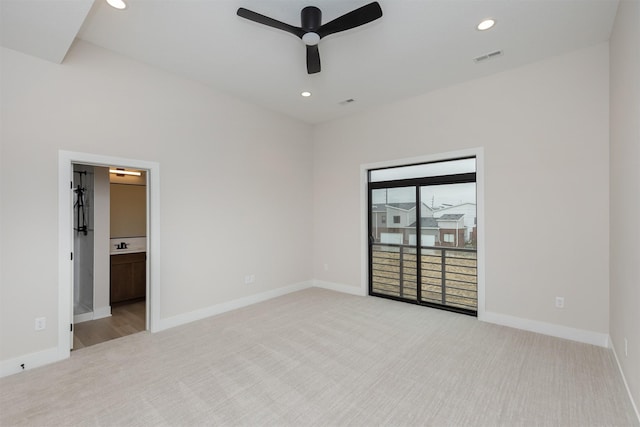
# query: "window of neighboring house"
396 219
449 238
383 219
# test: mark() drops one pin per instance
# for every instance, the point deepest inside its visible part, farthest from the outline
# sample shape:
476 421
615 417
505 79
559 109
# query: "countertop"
130 245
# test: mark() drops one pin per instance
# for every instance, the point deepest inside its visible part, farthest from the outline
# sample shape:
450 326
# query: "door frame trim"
478 153
66 159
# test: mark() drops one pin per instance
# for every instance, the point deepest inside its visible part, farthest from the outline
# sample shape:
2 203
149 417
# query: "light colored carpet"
321 358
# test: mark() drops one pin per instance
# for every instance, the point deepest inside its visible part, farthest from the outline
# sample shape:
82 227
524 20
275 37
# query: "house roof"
451 207
403 206
407 206
426 222
450 217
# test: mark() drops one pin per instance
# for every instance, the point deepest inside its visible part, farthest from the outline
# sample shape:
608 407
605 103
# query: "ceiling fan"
312 29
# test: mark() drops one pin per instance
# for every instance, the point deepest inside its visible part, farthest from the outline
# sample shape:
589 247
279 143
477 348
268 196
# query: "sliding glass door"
422 234
448 255
393 253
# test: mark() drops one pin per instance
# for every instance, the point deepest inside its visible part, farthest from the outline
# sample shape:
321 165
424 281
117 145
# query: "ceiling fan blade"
265 20
355 18
313 59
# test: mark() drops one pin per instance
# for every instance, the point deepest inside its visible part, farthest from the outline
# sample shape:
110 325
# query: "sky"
432 196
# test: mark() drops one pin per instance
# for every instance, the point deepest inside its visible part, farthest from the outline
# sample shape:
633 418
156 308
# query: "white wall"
101 260
544 129
215 152
625 191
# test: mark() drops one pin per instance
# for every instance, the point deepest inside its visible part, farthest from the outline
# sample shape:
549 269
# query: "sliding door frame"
478 153
418 183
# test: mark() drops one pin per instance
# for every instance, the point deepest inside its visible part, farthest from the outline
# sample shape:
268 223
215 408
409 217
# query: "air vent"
490 55
347 101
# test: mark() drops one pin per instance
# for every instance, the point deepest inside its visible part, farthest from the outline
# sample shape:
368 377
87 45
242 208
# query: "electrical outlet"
559 302
326 267
40 323
250 278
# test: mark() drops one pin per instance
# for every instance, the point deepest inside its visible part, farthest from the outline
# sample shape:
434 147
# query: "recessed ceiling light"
486 24
118 4
306 94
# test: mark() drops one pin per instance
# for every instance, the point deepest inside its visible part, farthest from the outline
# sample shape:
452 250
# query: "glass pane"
448 215
394 257
448 259
452 167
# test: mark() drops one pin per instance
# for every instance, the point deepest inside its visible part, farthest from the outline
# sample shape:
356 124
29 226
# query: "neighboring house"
390 220
426 212
395 223
452 230
378 217
429 232
400 214
469 212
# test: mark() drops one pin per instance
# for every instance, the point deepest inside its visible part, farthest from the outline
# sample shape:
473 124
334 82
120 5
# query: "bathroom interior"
110 253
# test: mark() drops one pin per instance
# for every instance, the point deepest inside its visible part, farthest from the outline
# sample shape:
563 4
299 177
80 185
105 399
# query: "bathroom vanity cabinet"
128 276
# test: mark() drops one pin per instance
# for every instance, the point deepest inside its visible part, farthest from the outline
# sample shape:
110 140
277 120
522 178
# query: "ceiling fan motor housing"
311 18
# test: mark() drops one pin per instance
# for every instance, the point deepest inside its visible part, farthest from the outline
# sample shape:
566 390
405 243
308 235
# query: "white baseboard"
102 312
224 307
580 335
339 287
84 317
96 314
624 380
28 361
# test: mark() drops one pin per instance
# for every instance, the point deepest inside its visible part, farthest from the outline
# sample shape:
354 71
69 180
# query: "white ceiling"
417 46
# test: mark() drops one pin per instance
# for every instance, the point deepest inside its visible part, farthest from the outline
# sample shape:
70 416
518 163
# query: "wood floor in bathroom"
126 319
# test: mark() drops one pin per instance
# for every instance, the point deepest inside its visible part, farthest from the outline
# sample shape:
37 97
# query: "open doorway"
66 162
110 253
